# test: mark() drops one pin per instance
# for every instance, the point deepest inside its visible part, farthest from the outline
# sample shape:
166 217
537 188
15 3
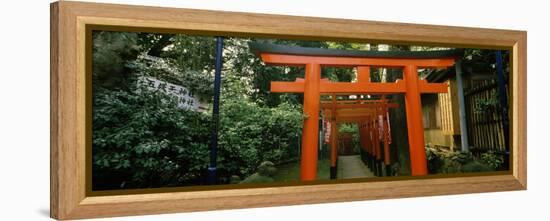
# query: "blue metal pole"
503 100
212 177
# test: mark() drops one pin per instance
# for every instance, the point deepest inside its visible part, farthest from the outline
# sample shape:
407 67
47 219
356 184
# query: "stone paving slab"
352 167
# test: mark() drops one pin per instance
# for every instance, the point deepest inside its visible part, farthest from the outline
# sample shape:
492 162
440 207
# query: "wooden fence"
484 116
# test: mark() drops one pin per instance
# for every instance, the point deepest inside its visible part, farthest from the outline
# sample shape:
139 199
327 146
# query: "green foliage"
245 75
191 53
110 53
141 140
354 130
475 166
440 161
348 128
492 159
250 134
200 83
265 173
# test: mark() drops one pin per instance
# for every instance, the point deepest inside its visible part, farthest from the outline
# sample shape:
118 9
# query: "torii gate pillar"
310 139
415 129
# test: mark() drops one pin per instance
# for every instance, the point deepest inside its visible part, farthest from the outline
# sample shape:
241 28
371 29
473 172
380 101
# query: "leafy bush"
198 82
111 53
493 159
141 140
354 130
250 134
476 166
440 161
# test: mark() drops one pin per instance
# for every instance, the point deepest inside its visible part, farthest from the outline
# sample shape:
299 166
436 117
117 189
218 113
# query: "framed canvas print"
162 110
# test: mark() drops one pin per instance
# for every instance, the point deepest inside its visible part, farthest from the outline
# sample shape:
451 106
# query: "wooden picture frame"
69 198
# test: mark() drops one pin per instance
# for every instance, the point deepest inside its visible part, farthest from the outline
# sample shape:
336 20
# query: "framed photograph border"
69 198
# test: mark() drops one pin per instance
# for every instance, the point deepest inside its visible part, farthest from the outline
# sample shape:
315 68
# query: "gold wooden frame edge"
68 198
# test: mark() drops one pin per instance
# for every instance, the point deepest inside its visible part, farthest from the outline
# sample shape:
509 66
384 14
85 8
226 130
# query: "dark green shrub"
492 159
476 166
440 161
141 140
250 134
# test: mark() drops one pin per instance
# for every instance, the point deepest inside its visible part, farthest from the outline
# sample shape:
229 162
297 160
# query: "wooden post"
386 148
387 159
376 136
379 158
310 141
415 128
363 73
372 146
333 140
461 107
363 135
362 140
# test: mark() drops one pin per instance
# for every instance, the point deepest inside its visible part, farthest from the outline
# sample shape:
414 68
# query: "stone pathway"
352 167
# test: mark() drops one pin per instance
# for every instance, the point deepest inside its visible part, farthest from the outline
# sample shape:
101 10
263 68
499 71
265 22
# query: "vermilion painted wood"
303 80
427 88
358 88
357 113
334 134
287 87
300 60
356 106
376 135
310 139
370 137
363 136
386 129
354 101
372 134
360 116
364 111
363 73
415 128
312 87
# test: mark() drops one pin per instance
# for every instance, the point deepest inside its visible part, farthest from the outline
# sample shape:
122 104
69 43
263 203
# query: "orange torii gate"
313 59
375 130
360 113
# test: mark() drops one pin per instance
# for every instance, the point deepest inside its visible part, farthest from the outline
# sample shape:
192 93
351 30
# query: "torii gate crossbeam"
312 87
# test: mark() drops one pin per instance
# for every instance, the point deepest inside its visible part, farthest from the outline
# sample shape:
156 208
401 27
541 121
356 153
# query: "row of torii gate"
371 115
372 118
